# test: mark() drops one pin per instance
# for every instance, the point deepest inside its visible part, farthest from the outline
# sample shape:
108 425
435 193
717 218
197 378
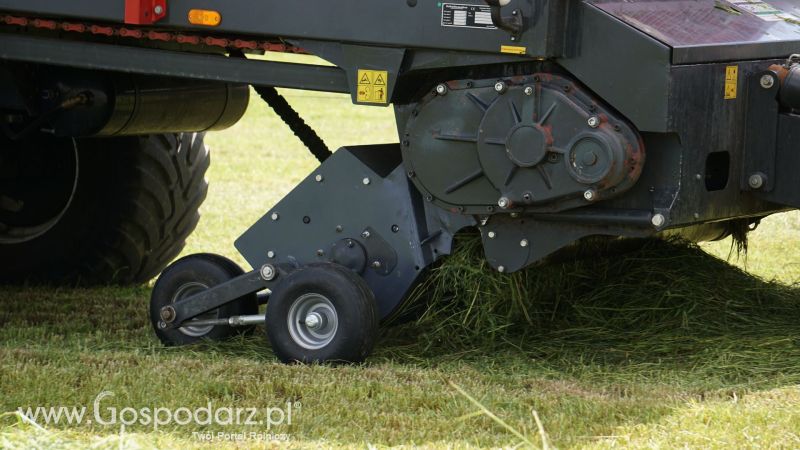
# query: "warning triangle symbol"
379 80
364 79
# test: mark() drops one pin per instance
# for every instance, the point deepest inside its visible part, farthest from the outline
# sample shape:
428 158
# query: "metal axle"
233 321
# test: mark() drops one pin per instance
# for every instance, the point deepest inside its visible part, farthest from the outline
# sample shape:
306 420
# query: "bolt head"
267 272
500 87
365 234
319 178
167 314
376 264
270 254
698 177
275 216
158 10
503 202
756 181
658 220
528 90
441 89
767 81
523 243
320 252
492 235
501 269
590 195
593 121
350 244
696 215
365 181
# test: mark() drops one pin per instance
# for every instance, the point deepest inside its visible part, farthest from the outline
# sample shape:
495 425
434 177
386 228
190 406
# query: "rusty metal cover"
714 30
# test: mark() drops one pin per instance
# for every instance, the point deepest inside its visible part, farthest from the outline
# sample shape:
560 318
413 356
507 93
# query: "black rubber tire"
355 309
209 270
135 202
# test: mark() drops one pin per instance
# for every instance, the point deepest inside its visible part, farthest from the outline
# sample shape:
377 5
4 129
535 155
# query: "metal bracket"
144 12
176 314
761 126
513 24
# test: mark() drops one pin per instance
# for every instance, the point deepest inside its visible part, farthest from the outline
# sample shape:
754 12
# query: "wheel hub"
312 321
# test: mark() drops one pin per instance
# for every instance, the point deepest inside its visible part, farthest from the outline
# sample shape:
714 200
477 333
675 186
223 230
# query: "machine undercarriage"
538 123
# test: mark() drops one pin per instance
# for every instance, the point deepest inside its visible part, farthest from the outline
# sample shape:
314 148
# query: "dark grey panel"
169 63
625 67
711 30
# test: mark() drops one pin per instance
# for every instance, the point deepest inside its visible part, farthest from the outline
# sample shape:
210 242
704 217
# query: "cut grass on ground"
655 344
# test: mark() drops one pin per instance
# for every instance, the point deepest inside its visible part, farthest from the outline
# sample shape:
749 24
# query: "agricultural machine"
537 122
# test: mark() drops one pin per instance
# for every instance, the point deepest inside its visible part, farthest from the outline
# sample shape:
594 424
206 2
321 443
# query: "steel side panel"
626 68
387 23
700 32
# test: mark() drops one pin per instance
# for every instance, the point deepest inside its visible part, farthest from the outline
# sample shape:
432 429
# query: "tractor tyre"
97 211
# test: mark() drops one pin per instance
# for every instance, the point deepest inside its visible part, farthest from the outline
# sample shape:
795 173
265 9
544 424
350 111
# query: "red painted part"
47 24
216 42
158 36
97 29
184 39
144 12
150 34
127 32
21 21
76 27
252 45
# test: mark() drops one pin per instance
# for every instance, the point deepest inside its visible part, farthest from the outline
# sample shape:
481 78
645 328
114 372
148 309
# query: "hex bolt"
590 195
158 10
365 181
395 228
339 228
696 215
756 181
523 243
767 81
167 314
593 121
658 220
441 89
365 234
270 254
698 177
320 252
501 269
319 178
527 196
162 325
514 215
500 87
528 90
275 216
267 272
376 265
492 235
504 202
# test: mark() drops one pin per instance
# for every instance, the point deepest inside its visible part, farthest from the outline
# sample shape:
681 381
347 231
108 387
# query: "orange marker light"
204 17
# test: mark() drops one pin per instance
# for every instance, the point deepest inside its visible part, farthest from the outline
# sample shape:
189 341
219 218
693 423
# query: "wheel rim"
185 291
35 190
312 321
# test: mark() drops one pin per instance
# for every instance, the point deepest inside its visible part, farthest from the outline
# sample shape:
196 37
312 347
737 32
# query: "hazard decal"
372 86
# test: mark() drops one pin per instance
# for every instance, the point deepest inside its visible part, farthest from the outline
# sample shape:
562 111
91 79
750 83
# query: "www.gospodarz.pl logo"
159 417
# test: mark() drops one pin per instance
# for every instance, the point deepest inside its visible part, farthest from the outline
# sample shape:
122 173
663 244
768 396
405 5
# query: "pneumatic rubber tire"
134 202
342 293
188 276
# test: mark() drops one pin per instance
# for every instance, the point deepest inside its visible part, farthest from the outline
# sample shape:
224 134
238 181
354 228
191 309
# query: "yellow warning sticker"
512 49
372 86
731 82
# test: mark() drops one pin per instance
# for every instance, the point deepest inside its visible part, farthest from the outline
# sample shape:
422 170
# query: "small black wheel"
322 313
188 276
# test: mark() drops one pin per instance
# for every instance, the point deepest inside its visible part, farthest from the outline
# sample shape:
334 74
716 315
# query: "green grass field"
662 345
